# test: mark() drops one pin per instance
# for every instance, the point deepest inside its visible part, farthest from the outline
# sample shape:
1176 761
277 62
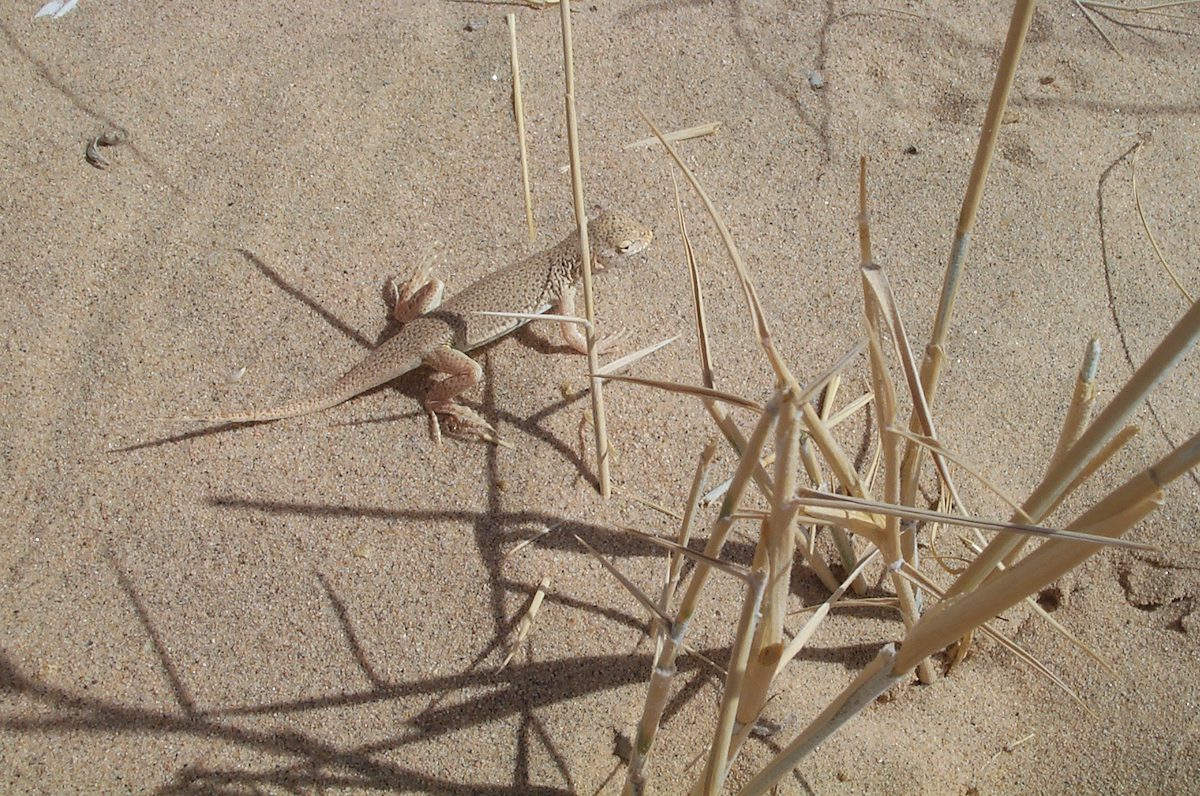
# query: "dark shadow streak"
186 703
611 540
298 294
356 650
83 714
547 681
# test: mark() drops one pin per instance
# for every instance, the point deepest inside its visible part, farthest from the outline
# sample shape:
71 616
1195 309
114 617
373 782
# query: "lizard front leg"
420 293
573 334
461 374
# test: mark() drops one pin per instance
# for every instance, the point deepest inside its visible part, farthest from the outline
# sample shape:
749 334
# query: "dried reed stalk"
675 560
526 623
698 131
885 411
777 545
1082 400
718 756
599 423
934 358
663 672
1120 510
519 113
872 681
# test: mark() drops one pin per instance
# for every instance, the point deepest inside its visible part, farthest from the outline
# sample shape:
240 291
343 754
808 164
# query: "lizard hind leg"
461 374
419 294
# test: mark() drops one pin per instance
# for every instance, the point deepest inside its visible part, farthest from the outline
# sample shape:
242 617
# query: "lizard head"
612 237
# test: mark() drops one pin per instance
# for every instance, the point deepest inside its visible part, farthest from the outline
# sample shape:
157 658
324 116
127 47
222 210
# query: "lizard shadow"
412 385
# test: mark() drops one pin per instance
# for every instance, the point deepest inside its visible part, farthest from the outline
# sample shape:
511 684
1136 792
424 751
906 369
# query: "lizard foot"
460 420
419 294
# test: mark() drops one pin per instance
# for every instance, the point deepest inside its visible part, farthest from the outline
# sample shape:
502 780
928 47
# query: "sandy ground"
321 604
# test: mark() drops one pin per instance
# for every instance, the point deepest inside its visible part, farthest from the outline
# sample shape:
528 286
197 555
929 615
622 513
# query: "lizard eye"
624 246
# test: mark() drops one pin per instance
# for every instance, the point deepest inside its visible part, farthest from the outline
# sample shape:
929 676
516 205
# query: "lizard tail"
359 379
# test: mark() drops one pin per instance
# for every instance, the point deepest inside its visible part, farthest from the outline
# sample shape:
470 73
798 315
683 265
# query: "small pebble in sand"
910 150
816 80
1046 80
474 25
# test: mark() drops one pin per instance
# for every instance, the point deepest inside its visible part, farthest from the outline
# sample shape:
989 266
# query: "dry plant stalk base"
805 451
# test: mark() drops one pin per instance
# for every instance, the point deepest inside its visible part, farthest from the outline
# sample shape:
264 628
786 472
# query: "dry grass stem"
778 545
970 467
865 602
821 611
888 537
698 131
954 619
599 422
663 671
1120 440
1146 9
526 621
689 254
629 585
762 328
675 560
830 396
1092 9
840 463
1110 449
525 543
728 567
691 389
1111 517
811 464
875 279
718 754
872 681
826 507
1082 400
1091 18
1006 71
1019 652
1137 203
623 362
934 359
535 316
650 504
519 113
849 410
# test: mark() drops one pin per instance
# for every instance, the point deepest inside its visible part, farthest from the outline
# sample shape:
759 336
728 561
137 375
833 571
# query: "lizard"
439 335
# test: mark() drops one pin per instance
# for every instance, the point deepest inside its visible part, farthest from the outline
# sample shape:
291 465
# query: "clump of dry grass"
790 451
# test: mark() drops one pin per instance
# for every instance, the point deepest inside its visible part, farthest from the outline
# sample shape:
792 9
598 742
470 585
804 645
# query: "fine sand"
321 605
